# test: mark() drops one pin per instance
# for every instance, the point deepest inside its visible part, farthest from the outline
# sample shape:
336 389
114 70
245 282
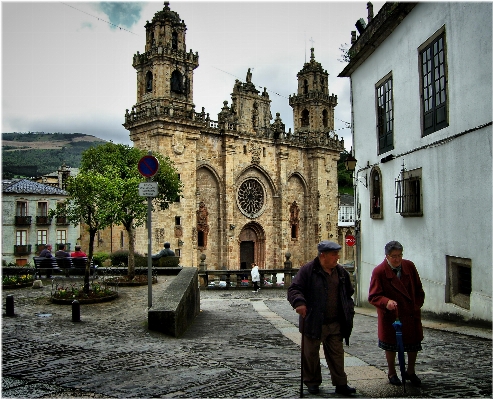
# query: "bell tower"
165 69
313 107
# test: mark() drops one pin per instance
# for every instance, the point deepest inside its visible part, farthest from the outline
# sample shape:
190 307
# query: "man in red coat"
395 287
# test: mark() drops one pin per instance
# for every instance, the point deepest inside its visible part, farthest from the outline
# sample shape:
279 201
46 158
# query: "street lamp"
350 164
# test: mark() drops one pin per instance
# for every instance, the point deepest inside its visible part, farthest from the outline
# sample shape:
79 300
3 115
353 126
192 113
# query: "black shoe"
394 380
413 378
345 390
313 389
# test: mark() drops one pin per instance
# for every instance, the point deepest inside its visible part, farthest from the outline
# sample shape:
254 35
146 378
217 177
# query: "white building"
425 149
26 225
345 216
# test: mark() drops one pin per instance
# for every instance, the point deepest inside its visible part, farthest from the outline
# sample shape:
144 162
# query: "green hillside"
35 154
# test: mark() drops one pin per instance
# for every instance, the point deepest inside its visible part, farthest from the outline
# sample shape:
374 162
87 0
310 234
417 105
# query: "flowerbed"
97 293
17 281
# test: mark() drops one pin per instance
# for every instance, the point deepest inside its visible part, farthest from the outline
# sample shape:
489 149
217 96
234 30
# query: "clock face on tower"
251 198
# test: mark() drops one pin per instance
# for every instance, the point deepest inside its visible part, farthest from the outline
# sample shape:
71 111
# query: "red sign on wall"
350 240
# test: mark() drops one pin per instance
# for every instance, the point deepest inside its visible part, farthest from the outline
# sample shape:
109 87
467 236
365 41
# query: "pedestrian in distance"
61 253
255 277
46 252
321 293
395 286
78 253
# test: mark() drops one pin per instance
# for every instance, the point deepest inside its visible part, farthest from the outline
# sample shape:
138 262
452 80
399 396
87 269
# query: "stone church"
252 191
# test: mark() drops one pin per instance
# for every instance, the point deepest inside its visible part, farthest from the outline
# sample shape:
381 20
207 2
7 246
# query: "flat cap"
324 246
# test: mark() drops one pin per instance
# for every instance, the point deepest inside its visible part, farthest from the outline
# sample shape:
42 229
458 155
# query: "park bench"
79 263
65 265
49 265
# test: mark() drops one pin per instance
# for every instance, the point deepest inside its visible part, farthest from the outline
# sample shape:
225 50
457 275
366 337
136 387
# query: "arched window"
305 118
148 81
305 86
325 118
177 82
376 206
174 41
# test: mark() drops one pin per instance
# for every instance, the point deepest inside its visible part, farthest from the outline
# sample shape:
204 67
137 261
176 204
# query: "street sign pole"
148 167
149 251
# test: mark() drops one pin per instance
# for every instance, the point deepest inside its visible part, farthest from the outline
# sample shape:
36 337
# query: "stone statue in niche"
294 211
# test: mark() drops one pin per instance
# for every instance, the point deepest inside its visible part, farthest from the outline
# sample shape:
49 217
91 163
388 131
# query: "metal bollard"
10 305
75 310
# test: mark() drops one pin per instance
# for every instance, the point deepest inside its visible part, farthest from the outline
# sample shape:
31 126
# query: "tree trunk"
131 252
92 234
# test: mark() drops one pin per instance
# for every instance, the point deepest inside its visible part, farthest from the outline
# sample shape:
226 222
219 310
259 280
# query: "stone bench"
174 309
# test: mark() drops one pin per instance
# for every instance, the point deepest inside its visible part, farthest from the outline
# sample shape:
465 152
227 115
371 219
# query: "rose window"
251 198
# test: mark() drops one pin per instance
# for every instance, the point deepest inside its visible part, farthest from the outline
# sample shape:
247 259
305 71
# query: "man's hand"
301 310
391 305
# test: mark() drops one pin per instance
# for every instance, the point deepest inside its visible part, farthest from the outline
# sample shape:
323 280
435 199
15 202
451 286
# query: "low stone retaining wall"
176 307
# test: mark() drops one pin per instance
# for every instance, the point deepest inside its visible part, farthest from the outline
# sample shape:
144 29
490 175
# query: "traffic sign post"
148 167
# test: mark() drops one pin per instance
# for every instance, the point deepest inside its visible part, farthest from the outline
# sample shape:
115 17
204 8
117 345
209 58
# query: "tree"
119 163
344 178
92 200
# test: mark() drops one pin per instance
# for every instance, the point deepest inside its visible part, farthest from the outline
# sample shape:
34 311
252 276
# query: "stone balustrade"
237 278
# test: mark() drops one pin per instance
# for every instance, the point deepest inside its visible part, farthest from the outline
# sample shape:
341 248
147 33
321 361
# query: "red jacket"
409 295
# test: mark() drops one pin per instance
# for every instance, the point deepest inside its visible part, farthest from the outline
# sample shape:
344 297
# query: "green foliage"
99 257
121 257
344 178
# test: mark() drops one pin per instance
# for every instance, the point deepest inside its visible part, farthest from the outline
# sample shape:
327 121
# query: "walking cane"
302 352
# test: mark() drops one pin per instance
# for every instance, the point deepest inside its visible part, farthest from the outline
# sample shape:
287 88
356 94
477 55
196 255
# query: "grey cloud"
122 14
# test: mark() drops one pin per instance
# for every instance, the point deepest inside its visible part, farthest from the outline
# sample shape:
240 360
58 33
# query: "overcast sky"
67 66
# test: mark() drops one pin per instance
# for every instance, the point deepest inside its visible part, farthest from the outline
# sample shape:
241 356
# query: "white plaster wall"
456 176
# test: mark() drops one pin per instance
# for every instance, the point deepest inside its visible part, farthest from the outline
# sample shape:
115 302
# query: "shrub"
121 257
99 258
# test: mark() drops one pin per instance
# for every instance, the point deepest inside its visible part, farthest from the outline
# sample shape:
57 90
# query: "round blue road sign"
148 166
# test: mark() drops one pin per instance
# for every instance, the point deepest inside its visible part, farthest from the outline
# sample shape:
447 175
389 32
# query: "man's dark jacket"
309 287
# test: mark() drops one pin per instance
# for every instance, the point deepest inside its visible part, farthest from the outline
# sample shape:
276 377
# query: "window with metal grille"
408 196
385 116
434 85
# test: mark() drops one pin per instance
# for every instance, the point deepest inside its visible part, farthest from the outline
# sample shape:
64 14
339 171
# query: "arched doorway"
252 246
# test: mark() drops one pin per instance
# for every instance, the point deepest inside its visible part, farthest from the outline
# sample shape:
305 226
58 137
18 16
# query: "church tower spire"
313 107
165 69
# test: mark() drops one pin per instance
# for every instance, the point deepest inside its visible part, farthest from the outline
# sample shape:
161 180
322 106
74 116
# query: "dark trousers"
331 341
255 285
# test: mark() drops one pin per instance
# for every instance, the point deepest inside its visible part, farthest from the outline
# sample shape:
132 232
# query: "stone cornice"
380 27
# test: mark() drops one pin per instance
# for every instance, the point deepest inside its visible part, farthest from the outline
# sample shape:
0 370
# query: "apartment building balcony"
23 220
43 220
62 221
21 250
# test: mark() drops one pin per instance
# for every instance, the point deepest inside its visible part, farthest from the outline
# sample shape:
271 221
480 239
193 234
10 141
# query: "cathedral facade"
252 191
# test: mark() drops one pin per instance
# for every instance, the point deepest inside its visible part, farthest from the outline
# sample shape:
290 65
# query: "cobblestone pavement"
242 344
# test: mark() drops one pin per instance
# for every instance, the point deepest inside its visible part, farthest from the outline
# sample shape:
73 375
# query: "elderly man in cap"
321 294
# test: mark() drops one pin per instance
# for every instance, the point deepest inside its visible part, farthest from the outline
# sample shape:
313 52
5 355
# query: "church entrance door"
252 246
247 252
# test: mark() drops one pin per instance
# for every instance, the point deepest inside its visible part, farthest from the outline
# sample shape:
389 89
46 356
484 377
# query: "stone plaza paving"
242 344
